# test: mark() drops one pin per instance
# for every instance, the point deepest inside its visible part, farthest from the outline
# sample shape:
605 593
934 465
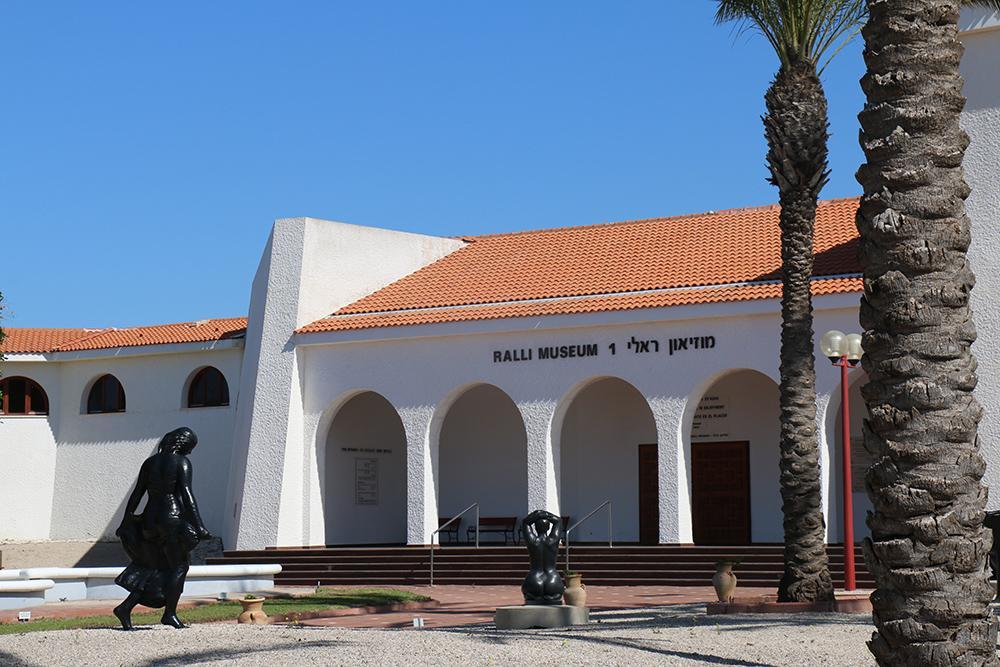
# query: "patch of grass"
322 600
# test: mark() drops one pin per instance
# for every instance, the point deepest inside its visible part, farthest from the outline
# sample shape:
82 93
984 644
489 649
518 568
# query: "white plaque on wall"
365 481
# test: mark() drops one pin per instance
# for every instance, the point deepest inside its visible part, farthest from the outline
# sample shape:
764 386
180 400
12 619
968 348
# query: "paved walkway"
465 605
459 605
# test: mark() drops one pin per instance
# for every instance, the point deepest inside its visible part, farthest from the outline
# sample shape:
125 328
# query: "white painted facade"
67 475
370 436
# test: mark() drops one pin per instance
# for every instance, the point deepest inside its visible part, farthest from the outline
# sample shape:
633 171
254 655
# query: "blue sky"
149 146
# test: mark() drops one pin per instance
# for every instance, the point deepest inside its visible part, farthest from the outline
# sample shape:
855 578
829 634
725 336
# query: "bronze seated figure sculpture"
542 532
159 541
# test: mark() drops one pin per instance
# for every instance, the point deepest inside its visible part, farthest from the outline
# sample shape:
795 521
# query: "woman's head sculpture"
179 441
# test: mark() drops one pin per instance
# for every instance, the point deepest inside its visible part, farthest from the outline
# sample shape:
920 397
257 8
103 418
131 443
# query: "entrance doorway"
720 493
649 495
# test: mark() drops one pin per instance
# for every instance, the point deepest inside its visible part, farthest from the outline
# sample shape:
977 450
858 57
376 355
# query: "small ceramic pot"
253 612
575 594
724 581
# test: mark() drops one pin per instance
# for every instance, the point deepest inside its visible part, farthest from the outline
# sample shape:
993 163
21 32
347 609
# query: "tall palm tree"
928 549
805 35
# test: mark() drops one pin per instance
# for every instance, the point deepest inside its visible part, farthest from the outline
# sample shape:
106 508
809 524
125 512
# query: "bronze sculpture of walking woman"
160 540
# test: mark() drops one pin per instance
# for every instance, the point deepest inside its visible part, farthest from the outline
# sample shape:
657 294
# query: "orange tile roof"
703 258
23 341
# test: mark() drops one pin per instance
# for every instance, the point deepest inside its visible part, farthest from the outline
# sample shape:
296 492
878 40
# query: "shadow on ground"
658 619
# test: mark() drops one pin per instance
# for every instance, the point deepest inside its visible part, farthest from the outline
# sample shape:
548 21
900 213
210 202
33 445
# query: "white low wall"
98 583
22 593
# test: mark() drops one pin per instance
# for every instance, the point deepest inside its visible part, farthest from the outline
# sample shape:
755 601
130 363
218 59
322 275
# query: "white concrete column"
421 466
543 455
675 505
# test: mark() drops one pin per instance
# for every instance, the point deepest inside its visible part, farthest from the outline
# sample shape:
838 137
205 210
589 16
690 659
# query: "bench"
451 531
495 524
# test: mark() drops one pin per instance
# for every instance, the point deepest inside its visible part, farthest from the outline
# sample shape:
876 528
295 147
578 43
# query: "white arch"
489 496
686 529
556 425
85 396
320 446
627 523
186 389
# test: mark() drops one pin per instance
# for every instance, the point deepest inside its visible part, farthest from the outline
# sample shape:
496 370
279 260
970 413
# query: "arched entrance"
364 475
735 492
860 462
607 451
483 457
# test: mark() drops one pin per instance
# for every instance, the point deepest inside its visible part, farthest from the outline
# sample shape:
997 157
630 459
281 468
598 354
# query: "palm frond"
799 30
985 4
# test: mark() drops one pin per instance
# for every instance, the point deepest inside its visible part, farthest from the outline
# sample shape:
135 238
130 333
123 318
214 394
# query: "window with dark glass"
107 395
22 396
208 389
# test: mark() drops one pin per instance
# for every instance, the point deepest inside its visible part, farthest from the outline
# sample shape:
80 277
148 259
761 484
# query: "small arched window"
23 396
106 395
208 389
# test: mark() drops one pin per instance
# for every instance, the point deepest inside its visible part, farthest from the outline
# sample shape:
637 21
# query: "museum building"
383 380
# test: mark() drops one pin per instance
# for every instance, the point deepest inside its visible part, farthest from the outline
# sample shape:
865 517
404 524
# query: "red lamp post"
845 352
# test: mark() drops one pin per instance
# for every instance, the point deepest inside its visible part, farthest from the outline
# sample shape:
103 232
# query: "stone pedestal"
528 616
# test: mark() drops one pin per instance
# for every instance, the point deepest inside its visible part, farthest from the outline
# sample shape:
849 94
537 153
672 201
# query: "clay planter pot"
724 581
253 612
575 594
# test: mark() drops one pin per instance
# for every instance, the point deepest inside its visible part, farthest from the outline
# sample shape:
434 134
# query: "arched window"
106 395
23 396
208 389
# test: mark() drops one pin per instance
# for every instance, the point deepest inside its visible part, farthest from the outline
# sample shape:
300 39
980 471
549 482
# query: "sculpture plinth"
543 587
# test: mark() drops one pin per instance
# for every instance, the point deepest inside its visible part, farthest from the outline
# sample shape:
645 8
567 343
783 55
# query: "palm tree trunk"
796 128
928 549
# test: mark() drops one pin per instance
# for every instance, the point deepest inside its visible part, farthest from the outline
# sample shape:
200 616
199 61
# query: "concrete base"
853 602
540 616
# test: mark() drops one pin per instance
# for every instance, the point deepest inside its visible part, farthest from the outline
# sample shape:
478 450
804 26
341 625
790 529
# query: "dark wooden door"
649 495
720 492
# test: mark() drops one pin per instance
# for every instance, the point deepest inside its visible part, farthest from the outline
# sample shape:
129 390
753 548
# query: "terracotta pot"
253 612
575 594
724 581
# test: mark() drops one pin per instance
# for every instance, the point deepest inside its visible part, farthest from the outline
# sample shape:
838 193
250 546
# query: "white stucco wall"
99 455
981 120
68 476
309 269
422 371
28 459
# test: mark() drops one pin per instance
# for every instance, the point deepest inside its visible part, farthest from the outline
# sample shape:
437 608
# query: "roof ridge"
95 330
577 297
638 221
89 335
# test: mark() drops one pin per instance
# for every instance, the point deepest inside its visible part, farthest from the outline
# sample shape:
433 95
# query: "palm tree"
928 548
805 34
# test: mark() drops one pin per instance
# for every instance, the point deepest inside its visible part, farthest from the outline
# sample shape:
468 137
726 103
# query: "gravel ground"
675 635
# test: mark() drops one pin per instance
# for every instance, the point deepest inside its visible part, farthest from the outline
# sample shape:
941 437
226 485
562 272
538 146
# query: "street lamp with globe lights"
844 350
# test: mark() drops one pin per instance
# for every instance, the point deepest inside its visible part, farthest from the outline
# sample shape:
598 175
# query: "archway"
364 477
608 426
860 462
483 457
733 461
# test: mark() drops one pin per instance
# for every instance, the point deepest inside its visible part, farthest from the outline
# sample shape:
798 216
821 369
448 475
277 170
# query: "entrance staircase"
626 565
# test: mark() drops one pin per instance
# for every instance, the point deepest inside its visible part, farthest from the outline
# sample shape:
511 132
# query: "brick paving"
467 605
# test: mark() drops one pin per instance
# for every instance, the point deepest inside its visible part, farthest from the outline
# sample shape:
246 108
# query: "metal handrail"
448 523
606 503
